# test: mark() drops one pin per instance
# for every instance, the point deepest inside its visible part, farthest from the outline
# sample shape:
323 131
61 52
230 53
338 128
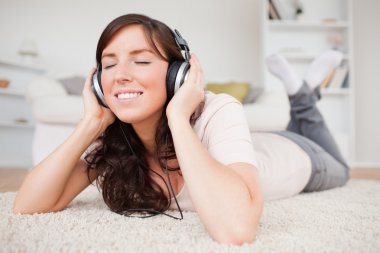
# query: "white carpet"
340 220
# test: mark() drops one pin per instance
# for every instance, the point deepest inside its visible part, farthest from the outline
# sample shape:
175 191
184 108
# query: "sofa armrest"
58 109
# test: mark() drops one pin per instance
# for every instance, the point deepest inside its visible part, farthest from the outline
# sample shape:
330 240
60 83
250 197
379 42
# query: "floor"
11 179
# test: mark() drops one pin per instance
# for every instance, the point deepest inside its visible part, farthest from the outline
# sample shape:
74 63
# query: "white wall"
223 33
367 80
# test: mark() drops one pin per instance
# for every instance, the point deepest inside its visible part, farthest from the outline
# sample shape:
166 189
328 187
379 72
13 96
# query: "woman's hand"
100 116
189 95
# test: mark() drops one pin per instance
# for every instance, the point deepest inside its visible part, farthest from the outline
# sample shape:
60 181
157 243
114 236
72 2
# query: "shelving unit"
16 119
325 24
310 24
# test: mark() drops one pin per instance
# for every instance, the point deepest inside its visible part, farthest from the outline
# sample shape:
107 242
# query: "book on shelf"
273 14
345 82
326 82
340 77
284 8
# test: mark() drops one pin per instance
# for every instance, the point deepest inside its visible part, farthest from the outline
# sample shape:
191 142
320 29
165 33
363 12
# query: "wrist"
179 120
92 126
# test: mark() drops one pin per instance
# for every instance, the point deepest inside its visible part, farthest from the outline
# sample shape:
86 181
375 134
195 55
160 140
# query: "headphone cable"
155 212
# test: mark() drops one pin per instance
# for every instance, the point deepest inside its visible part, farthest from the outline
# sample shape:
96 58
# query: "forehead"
129 37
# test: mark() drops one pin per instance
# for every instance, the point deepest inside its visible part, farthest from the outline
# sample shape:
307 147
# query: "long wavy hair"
124 175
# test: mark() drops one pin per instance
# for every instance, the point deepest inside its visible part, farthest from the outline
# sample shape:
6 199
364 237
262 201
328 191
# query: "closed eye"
109 66
142 62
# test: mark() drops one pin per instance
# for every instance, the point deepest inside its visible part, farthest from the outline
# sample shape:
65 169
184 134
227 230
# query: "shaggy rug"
345 219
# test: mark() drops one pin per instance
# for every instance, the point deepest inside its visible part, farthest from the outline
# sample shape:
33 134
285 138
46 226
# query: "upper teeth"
127 95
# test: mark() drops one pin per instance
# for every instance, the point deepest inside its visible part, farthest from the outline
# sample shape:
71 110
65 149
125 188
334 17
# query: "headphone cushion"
171 77
99 78
97 87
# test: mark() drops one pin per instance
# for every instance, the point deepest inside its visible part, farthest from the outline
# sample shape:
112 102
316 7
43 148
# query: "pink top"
223 130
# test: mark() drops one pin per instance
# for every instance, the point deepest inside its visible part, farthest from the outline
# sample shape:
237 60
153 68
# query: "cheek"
106 80
155 79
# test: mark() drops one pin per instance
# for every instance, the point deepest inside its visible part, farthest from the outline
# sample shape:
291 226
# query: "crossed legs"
307 127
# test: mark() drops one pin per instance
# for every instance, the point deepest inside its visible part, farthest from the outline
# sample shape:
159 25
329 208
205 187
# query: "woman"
147 146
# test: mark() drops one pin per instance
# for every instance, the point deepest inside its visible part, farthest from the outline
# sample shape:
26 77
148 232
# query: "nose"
123 74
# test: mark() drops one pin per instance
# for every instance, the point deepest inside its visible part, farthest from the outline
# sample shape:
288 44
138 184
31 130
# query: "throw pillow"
237 90
253 94
73 85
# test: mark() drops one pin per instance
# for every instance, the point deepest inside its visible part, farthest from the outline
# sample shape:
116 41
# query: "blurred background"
232 38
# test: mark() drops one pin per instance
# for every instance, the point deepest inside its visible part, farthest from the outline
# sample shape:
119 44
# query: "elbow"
237 236
18 209
243 230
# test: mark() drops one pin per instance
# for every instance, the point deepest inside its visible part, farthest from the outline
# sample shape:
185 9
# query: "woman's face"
133 77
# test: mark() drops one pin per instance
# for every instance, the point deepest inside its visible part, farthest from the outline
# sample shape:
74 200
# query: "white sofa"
57 112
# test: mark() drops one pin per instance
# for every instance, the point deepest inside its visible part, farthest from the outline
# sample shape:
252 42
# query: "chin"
130 119
136 117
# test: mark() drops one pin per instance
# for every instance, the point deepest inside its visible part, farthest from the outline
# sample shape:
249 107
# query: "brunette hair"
124 174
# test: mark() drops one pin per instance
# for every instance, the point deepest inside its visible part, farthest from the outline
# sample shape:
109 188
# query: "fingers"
196 72
87 85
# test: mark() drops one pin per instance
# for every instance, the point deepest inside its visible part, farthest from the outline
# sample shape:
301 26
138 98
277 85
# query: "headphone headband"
182 44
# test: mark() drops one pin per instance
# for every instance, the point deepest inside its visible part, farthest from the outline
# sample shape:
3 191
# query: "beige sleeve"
227 135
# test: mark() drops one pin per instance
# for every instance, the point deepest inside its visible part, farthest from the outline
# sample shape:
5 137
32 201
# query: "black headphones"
176 75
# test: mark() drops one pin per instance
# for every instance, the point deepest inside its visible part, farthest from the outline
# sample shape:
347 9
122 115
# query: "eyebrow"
133 52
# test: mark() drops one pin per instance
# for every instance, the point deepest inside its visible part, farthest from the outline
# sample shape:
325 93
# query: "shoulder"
217 109
223 130
217 103
214 102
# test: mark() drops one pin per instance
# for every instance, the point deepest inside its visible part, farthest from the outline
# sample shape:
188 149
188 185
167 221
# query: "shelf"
323 25
15 124
12 92
295 24
304 56
336 91
35 67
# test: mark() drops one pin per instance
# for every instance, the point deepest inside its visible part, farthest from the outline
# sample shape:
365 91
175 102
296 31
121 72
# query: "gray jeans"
307 129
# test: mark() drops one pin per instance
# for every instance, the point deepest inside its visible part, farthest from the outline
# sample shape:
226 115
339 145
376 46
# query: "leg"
328 166
305 117
327 172
293 125
310 122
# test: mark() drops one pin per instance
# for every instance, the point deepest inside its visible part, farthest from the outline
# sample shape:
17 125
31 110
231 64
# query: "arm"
227 198
61 172
54 182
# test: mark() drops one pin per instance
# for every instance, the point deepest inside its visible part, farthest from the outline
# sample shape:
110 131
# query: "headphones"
176 75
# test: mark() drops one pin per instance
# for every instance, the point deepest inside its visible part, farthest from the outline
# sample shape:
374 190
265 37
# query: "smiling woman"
156 140
133 80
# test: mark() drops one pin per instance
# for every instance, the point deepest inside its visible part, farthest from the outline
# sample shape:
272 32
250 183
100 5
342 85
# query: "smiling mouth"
132 95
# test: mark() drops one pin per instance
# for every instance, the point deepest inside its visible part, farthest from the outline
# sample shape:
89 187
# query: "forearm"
220 196
46 182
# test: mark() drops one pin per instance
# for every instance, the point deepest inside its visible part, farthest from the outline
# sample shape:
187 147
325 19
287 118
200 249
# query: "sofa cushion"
253 94
73 85
269 113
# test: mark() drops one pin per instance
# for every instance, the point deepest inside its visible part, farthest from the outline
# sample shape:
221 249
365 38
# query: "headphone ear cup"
171 77
97 88
177 74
